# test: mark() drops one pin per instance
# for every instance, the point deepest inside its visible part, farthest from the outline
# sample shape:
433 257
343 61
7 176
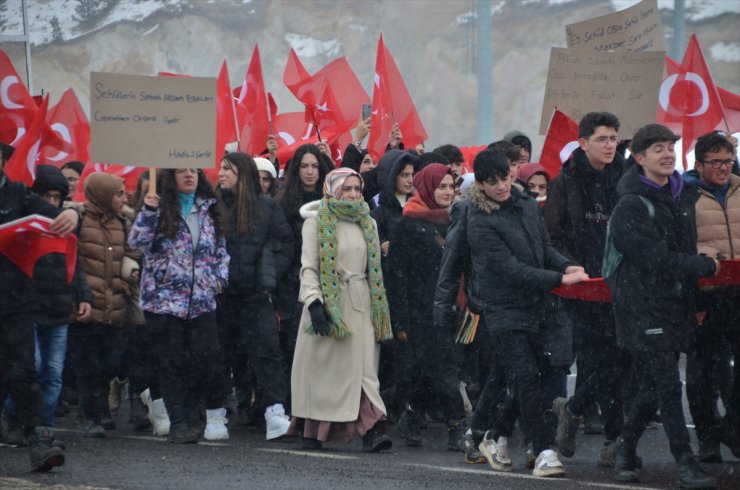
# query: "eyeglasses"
720 163
603 140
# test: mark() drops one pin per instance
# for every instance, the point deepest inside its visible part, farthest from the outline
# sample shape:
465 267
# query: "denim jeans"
51 349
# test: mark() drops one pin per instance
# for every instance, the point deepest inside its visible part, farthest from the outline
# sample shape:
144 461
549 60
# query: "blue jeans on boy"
51 350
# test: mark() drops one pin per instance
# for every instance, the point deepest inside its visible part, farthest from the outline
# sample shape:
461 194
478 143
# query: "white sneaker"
502 450
489 449
277 422
547 464
156 413
216 425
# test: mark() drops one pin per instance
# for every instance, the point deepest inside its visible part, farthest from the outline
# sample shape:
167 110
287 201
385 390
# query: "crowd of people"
335 300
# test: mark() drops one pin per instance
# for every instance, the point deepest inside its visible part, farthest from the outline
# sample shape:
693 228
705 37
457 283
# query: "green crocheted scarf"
330 210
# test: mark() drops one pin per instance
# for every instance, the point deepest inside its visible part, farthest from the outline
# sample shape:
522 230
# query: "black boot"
409 425
311 444
624 463
456 435
12 430
180 430
729 434
45 455
138 416
709 451
375 441
691 475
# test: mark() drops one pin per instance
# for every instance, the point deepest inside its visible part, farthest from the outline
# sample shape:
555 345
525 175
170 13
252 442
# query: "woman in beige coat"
334 381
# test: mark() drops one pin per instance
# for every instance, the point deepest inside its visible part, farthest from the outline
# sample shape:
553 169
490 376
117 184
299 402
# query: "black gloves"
318 318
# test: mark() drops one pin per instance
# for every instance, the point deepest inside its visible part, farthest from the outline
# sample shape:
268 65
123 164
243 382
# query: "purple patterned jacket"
175 280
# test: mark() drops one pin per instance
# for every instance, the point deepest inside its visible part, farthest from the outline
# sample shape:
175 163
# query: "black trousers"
601 364
659 383
18 369
707 369
520 354
142 362
100 352
251 328
427 361
189 365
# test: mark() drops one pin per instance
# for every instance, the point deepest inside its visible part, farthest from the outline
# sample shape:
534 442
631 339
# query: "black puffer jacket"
654 286
413 268
388 213
565 210
16 289
512 264
258 259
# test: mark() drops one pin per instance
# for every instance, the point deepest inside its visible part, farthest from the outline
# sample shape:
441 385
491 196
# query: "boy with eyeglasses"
718 236
579 202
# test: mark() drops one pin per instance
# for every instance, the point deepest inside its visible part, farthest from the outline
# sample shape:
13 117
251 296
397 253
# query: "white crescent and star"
664 96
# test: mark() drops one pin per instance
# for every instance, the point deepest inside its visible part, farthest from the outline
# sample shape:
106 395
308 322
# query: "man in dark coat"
579 202
512 267
57 302
17 308
653 290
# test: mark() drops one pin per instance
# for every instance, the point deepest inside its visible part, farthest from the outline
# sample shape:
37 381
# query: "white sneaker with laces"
277 423
490 450
216 425
547 464
156 413
502 450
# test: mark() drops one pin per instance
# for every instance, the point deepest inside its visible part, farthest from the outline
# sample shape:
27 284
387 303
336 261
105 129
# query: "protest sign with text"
623 83
633 29
163 122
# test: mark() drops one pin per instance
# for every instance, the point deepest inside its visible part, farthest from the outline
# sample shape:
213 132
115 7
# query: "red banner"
596 290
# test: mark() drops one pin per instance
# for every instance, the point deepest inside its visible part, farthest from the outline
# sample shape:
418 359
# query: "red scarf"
415 208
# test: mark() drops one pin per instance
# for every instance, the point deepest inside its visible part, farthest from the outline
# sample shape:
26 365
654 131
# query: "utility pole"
679 14
484 65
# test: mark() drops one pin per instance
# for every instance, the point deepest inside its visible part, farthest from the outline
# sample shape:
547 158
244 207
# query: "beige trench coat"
329 375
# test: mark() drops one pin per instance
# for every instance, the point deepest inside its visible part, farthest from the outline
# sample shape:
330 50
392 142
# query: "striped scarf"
330 210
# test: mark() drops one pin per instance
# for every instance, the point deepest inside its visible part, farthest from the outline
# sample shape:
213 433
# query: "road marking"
525 477
138 438
18 483
307 453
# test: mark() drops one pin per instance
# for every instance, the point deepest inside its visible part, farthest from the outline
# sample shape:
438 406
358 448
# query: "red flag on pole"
68 120
17 107
22 164
731 104
129 174
392 104
25 240
251 108
561 140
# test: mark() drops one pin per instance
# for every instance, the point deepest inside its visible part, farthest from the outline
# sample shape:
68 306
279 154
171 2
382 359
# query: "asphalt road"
137 460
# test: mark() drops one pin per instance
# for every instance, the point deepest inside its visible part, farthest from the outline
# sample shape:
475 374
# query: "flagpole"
318 133
236 121
152 182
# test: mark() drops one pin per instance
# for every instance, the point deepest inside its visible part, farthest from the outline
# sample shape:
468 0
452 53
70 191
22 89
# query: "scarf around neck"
416 208
187 201
331 210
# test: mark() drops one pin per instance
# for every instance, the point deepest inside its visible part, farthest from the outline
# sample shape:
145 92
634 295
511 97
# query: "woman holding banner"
184 266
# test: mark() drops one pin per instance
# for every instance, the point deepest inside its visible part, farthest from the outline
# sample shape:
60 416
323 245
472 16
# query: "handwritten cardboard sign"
636 28
623 83
162 122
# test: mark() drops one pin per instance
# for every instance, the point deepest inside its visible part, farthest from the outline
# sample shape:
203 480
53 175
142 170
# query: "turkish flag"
345 89
691 96
731 104
391 104
25 240
129 174
469 154
17 107
252 109
299 81
561 140
68 120
22 164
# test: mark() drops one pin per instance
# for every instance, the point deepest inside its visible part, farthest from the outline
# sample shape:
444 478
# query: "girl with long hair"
259 241
184 266
305 174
